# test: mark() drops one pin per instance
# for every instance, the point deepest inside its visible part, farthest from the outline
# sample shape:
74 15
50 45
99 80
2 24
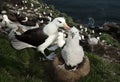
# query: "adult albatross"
44 36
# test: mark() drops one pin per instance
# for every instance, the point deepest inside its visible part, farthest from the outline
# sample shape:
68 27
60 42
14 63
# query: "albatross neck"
51 29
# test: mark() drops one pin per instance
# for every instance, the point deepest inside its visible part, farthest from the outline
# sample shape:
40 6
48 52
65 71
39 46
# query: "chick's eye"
59 21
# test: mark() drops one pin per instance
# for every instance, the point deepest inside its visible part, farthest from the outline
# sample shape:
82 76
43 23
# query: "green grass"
24 66
102 70
20 65
110 40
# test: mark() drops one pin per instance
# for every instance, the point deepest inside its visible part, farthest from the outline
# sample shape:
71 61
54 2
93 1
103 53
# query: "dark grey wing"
34 37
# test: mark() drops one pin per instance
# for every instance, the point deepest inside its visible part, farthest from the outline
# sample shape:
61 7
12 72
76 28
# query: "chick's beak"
66 26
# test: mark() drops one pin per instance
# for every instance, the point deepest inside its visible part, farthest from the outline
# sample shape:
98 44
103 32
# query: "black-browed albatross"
44 36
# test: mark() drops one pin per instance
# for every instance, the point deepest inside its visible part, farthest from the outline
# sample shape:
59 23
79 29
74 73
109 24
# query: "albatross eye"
59 21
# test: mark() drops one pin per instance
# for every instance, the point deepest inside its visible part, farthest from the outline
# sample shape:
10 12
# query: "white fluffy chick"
72 52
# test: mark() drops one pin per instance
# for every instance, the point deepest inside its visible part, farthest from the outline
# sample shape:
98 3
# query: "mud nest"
63 75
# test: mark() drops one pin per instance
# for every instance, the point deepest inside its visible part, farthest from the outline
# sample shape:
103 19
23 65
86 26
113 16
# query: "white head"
81 26
26 18
18 13
93 31
100 33
85 29
52 27
60 22
32 5
73 33
5 18
82 36
98 38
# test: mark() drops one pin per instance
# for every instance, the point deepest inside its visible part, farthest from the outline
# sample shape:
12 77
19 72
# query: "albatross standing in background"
44 36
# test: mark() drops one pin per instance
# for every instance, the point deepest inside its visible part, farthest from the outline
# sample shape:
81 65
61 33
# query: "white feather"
52 33
16 43
26 19
8 23
60 39
92 40
72 52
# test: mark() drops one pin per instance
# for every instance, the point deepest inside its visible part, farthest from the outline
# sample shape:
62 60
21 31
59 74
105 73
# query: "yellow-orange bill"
66 26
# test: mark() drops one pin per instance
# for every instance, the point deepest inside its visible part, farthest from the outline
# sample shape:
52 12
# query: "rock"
113 29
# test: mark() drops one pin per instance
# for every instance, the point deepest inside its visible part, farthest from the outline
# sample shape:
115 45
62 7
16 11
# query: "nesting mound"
64 75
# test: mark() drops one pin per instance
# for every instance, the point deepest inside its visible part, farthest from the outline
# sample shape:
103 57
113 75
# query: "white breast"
72 55
60 39
72 52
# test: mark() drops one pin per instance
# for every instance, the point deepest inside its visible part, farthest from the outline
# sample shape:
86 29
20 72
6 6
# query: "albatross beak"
66 26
